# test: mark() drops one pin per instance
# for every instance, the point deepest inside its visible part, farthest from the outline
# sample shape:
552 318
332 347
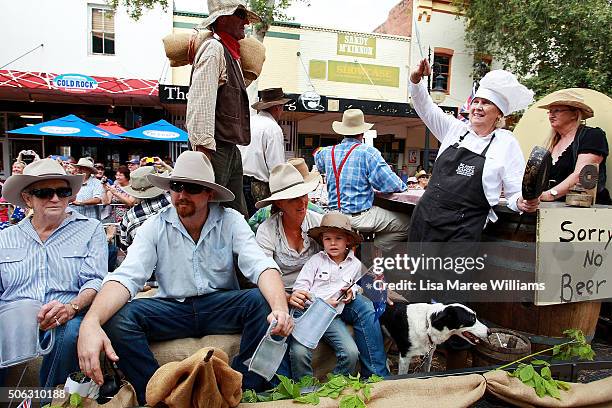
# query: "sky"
350 15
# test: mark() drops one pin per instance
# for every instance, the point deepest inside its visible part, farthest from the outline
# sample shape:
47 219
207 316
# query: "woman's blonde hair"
554 137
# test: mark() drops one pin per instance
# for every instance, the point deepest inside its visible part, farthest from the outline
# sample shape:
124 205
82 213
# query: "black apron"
454 207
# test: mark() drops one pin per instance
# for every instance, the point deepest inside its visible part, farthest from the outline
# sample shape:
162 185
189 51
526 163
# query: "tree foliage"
550 44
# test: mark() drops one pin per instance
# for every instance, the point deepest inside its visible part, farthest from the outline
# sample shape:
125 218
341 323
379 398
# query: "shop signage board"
75 83
355 73
173 93
357 45
574 254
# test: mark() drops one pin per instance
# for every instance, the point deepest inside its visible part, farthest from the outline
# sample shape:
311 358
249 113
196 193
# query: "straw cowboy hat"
300 164
270 97
570 98
218 8
287 182
85 163
352 123
44 169
420 174
140 186
193 167
335 221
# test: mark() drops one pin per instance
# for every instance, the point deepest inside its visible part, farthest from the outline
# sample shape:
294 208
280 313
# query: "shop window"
442 66
102 24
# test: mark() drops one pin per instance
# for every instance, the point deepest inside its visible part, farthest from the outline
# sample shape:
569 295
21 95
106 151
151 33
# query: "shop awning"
68 126
160 131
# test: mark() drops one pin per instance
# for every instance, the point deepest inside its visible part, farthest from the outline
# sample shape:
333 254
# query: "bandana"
232 44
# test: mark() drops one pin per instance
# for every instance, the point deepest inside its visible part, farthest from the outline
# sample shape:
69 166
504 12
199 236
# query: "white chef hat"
504 90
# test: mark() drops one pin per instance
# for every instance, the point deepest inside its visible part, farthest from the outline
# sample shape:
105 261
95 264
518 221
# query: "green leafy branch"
359 391
542 381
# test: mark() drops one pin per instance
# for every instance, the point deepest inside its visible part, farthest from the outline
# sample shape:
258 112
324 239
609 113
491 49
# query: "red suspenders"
337 171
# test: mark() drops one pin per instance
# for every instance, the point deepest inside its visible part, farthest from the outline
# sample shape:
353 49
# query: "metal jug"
20 339
268 355
310 327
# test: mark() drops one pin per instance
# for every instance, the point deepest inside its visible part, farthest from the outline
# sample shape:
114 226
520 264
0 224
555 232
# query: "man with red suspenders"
353 171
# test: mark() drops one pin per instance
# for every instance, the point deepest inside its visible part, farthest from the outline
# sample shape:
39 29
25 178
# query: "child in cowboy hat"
329 275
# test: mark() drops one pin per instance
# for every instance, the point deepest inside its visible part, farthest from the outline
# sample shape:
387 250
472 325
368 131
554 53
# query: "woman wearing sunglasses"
56 257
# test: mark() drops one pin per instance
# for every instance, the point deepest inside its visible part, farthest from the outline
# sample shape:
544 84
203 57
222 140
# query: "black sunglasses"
48 193
241 13
189 188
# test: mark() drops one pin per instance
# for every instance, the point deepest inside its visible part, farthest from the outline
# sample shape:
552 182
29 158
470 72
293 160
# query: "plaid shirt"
139 214
364 171
209 73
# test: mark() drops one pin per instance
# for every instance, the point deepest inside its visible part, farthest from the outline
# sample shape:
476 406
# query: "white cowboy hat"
193 167
85 162
140 186
335 221
300 164
44 169
218 8
352 123
287 182
570 98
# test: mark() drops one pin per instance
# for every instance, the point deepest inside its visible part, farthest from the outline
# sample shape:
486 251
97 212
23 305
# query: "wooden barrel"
503 346
544 325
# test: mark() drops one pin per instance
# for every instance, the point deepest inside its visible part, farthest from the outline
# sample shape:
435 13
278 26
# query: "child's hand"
299 298
332 302
350 295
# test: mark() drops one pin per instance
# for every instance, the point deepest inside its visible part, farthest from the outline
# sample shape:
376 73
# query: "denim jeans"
63 359
339 338
223 312
368 336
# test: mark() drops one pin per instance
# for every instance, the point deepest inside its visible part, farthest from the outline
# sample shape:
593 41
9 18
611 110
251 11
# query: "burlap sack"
597 394
203 380
181 47
439 392
125 398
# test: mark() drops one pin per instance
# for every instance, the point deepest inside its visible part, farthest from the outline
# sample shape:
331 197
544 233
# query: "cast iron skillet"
535 180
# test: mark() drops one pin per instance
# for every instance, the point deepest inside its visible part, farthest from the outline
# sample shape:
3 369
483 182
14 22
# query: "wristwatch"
74 307
554 193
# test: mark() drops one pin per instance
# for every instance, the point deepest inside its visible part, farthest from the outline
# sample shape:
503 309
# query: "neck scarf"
232 44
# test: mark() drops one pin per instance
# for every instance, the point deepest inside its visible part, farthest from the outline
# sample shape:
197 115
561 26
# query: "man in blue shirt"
191 246
354 170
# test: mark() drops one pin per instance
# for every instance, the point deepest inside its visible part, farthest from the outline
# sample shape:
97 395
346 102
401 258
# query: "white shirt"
504 165
324 278
267 147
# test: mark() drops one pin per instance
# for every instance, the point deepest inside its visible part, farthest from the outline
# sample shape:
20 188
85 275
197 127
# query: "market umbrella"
534 129
112 127
160 131
68 126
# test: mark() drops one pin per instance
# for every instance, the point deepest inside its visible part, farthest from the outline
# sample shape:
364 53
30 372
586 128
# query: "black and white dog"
418 328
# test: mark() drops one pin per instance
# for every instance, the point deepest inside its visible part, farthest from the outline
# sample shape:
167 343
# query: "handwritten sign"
574 254
357 45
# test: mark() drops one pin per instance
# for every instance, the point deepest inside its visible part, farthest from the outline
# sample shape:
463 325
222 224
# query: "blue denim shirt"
72 259
185 268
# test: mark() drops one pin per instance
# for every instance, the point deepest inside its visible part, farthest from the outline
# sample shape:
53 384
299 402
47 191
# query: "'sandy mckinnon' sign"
357 45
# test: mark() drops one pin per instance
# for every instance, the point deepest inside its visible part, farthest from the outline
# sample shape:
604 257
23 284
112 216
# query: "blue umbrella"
68 126
160 130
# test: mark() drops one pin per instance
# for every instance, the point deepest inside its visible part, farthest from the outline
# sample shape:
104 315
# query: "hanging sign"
75 83
356 45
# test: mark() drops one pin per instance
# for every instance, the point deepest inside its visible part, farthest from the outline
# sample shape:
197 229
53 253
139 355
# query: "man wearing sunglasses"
218 107
56 257
191 246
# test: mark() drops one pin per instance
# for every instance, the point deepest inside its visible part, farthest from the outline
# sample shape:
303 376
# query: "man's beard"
187 210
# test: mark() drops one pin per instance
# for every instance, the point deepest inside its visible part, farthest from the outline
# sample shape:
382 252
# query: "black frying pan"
535 180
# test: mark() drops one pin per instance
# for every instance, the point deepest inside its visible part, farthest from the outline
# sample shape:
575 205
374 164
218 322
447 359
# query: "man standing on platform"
354 170
267 147
218 105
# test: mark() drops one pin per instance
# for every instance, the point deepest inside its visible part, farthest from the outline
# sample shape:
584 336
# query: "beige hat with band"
300 164
193 167
335 221
85 162
353 123
286 182
140 186
570 98
44 169
218 8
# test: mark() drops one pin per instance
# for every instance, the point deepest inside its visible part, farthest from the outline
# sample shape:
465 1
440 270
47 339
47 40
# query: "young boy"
327 275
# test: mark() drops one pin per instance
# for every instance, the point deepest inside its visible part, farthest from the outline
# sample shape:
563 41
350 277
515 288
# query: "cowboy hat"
352 123
412 179
335 221
140 186
193 167
420 174
300 164
218 8
270 97
86 163
44 169
287 182
570 98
